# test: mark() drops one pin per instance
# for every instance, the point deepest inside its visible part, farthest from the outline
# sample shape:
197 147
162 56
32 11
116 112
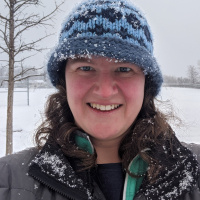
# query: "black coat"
48 175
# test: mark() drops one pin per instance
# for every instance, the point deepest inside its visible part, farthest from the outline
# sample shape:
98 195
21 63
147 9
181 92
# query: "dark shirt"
110 178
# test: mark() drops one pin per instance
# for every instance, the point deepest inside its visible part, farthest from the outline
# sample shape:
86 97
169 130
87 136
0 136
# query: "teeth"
108 107
103 107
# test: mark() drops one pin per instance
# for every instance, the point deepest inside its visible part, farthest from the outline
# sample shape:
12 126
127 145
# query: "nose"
105 86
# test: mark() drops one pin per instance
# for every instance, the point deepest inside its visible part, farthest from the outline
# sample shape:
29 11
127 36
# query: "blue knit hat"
109 28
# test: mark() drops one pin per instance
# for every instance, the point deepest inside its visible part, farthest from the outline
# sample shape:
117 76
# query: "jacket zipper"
70 198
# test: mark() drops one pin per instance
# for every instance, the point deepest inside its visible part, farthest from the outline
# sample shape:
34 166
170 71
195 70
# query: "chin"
105 134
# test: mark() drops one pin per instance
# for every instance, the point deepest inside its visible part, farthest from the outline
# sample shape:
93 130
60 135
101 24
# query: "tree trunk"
9 127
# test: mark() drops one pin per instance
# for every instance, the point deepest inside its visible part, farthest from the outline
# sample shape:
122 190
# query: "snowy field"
185 101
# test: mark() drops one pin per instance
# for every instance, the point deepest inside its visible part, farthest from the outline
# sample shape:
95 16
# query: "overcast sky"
176 28
175 25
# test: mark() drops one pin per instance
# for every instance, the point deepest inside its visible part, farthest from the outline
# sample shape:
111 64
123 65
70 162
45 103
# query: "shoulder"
17 161
19 156
13 174
194 148
195 193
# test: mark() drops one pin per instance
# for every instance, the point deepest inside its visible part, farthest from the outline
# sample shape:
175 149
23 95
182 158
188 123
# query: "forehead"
96 59
100 61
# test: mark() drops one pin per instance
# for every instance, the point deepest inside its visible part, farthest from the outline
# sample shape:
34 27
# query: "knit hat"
108 28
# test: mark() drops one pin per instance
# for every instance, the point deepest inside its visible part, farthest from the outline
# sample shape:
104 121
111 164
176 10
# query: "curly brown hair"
149 130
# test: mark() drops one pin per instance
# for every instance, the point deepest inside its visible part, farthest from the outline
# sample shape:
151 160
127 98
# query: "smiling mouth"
104 107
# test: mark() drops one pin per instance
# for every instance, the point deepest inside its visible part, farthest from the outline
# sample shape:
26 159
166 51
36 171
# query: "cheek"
133 89
76 88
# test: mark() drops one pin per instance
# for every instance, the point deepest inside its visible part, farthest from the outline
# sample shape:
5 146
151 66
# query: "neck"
107 151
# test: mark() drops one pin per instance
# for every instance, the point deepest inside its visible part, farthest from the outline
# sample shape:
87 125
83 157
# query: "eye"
124 69
86 68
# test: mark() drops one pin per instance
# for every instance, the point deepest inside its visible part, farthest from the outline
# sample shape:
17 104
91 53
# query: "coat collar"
53 169
178 177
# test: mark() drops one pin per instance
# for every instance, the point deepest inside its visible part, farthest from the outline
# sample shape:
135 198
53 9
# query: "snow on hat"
108 28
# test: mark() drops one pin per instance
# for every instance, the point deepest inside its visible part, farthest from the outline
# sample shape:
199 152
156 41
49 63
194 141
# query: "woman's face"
104 95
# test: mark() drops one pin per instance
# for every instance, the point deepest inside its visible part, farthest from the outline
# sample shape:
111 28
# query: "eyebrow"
86 60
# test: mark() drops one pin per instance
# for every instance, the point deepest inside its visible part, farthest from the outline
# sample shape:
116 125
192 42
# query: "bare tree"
198 63
198 69
21 16
193 74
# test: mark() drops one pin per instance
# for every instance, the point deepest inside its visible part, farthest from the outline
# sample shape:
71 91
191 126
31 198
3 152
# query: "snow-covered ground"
185 101
186 105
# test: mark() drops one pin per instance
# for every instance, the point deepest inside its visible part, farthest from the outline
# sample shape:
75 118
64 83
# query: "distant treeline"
191 81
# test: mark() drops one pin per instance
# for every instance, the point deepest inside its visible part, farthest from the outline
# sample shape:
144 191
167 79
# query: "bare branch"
20 5
26 2
5 50
31 24
34 75
5 36
4 18
8 5
1 16
41 21
24 71
25 58
24 21
4 66
3 82
31 46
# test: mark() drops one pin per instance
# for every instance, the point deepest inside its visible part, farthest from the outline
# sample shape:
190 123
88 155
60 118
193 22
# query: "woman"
103 137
